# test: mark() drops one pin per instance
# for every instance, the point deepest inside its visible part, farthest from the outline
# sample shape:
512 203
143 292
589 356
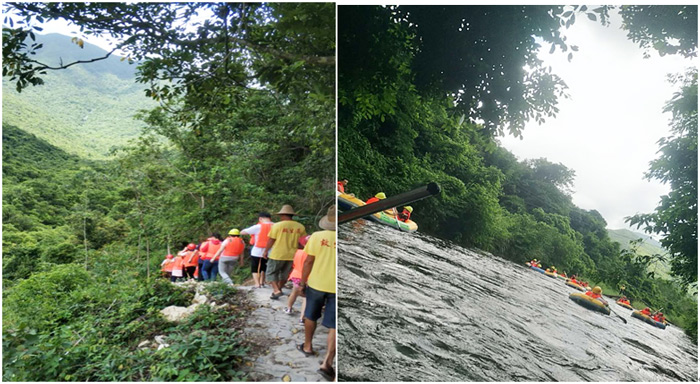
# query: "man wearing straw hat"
318 281
281 247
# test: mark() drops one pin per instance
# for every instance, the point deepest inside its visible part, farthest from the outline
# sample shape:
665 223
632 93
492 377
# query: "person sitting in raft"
596 293
624 300
553 268
659 317
341 185
573 279
535 263
646 311
377 197
405 214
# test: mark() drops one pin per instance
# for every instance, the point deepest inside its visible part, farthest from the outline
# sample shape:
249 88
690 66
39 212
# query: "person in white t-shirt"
257 263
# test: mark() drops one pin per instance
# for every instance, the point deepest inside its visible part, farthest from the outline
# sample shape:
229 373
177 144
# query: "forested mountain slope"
86 109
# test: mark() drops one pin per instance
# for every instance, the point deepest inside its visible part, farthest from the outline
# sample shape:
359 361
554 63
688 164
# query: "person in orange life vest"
178 268
260 232
659 317
377 197
597 293
167 266
646 311
341 185
535 263
318 283
230 254
405 214
210 267
191 258
295 278
573 279
624 300
280 249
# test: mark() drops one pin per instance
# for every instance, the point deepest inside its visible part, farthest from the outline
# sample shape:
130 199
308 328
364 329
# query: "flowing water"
416 308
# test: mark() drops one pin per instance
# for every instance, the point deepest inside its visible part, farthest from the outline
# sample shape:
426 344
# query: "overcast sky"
608 130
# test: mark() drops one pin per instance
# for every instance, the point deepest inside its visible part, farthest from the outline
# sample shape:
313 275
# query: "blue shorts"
315 300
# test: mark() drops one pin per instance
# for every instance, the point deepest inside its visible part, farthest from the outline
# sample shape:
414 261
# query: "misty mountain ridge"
86 109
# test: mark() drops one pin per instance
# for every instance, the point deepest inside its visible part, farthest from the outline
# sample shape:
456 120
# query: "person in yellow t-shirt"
281 247
318 281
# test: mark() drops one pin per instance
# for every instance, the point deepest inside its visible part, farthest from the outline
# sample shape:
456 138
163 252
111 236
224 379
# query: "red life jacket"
646 312
372 200
234 247
341 187
261 238
593 295
405 215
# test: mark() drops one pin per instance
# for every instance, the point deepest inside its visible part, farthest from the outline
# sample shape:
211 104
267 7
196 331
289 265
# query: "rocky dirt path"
279 333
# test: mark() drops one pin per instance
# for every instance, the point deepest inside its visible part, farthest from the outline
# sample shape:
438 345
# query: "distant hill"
86 109
648 247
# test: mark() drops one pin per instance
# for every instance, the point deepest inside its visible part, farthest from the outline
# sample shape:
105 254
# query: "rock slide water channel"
416 308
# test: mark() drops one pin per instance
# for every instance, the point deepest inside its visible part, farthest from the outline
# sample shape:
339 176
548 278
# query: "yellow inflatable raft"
551 274
588 302
624 305
574 285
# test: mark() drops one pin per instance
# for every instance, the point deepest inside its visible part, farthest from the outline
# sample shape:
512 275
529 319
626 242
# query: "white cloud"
608 131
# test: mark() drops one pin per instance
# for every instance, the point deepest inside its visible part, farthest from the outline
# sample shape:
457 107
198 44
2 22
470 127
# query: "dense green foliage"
69 324
244 122
676 216
402 124
86 109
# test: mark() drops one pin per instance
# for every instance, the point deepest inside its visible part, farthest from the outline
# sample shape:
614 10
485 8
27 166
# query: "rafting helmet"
191 246
380 195
597 290
234 232
409 208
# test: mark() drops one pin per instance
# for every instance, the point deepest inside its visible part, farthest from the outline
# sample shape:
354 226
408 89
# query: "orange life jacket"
261 238
234 247
177 263
167 266
298 264
195 258
405 215
209 248
252 240
593 295
646 312
372 200
341 187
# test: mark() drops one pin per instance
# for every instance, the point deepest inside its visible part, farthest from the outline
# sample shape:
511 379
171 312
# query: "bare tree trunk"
167 240
138 251
85 240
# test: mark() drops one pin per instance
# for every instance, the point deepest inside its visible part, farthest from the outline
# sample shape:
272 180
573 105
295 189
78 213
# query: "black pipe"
390 202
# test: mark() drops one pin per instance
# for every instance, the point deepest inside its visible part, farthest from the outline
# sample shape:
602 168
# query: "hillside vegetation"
84 234
86 109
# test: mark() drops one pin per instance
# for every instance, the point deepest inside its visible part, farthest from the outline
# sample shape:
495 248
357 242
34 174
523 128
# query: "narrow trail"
279 333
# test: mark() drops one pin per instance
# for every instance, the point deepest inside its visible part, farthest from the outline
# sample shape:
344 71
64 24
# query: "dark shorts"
278 270
315 301
255 261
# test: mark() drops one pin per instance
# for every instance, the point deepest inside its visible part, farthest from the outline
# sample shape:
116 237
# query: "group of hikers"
597 292
280 252
405 213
